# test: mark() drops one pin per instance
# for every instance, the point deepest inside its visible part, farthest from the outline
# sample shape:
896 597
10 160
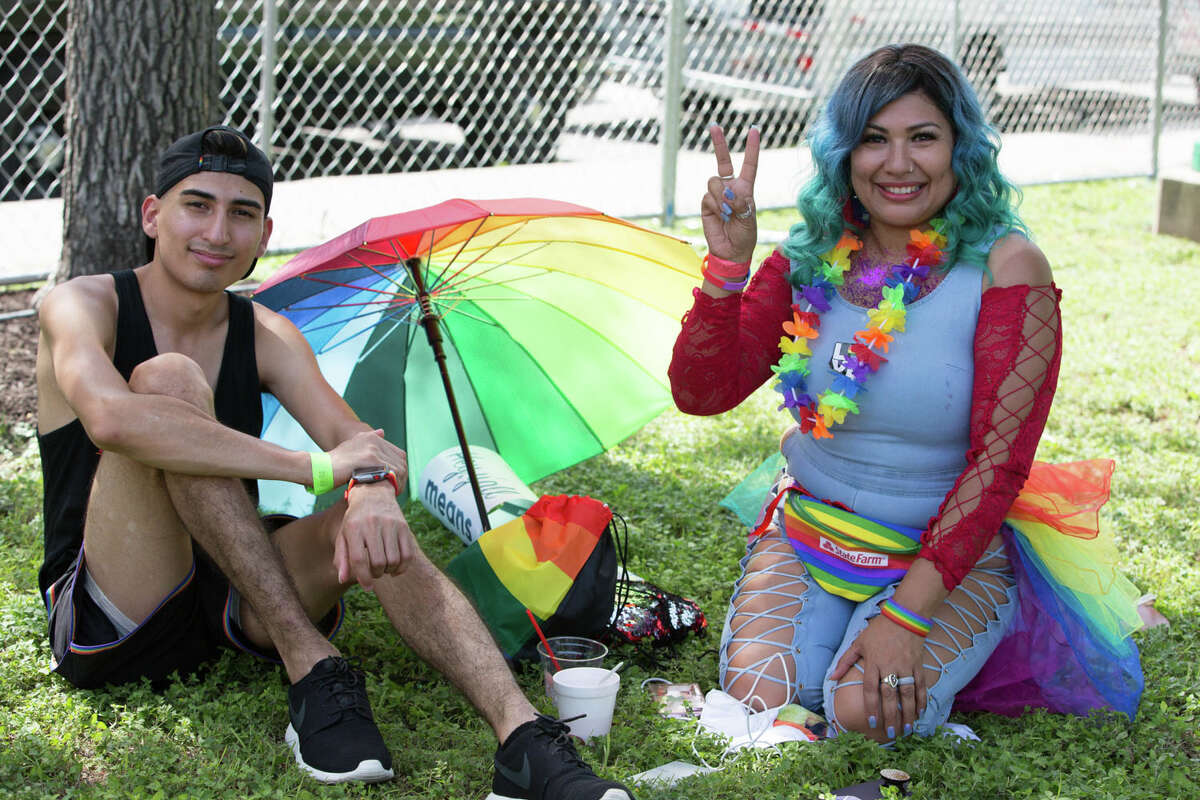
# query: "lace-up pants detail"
783 633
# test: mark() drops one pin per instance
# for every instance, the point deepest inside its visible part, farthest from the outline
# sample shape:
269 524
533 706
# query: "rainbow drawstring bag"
558 560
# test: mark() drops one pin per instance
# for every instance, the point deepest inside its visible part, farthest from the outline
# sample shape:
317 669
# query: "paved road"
622 178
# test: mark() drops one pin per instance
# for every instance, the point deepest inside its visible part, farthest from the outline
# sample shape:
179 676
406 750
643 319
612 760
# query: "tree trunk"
140 74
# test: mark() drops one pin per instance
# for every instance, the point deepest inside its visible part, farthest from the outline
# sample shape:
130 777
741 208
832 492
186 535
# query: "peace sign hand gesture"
727 210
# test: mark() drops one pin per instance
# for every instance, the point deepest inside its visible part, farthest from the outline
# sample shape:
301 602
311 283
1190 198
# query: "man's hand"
374 538
367 449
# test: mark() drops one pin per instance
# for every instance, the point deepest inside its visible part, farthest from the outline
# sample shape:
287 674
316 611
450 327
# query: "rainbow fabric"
848 554
530 563
1070 648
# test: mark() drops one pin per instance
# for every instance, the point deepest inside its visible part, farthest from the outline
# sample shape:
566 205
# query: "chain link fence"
32 107
389 87
338 87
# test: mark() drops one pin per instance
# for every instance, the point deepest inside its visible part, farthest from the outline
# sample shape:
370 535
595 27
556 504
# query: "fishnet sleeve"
727 346
1018 343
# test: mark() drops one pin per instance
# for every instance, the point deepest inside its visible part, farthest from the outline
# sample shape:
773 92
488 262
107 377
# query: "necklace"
818 415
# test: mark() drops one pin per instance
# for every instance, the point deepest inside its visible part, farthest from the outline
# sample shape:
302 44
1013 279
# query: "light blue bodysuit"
898 457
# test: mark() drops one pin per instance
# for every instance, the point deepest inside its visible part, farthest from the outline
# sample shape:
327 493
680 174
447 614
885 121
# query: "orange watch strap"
389 476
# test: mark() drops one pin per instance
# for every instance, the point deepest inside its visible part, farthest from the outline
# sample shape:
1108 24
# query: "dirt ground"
18 357
18 346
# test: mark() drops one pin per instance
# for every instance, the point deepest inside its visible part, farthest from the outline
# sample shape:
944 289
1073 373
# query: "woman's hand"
883 649
727 210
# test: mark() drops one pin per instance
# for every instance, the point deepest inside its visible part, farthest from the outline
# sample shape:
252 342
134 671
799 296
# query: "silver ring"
749 210
725 177
893 680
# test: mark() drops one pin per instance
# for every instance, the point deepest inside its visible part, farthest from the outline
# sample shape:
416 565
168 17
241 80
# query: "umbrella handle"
429 321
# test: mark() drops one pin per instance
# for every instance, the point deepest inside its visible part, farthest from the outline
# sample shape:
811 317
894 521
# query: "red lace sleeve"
727 345
1018 343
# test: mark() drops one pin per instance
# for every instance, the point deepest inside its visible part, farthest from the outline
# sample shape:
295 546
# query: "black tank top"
69 457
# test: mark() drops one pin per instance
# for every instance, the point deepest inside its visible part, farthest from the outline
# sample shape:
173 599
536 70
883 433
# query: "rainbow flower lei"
820 414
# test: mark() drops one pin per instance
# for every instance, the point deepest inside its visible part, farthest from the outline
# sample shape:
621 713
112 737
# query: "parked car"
749 58
1183 57
507 76
1018 45
778 58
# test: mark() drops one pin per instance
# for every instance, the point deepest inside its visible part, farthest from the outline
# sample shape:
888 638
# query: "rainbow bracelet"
910 620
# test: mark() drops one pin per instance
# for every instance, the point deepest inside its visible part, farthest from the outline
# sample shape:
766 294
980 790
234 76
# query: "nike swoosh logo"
298 716
519 778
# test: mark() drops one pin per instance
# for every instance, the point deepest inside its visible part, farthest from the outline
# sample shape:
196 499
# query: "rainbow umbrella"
539 329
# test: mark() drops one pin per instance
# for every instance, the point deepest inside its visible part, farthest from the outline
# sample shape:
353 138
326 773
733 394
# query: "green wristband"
322 467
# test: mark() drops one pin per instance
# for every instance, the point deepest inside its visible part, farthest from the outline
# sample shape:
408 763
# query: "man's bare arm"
374 537
289 371
78 320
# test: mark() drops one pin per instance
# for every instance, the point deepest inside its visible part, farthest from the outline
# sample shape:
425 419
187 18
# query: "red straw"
542 636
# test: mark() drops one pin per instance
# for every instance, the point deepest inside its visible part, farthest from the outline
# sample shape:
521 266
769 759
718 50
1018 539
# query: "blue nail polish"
907 728
891 732
725 218
872 721
728 193
726 209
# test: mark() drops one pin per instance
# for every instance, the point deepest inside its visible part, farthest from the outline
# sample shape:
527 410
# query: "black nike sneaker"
538 762
332 731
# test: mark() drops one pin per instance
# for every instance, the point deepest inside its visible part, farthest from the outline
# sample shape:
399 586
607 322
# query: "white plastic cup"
590 691
569 651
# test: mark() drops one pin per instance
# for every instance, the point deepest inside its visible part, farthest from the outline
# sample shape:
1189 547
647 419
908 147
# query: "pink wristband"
729 275
727 270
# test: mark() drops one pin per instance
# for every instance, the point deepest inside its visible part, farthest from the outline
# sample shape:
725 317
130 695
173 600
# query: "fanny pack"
847 554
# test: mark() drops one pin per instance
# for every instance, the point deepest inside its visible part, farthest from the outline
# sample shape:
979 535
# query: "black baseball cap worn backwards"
190 154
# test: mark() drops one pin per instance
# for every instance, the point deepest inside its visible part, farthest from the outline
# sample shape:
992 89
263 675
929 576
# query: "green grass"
1128 391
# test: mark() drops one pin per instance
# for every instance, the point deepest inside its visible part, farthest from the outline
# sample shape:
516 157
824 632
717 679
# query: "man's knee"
174 375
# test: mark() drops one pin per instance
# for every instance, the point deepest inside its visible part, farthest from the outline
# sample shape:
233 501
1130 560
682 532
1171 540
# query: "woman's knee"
846 710
173 375
776 668
760 674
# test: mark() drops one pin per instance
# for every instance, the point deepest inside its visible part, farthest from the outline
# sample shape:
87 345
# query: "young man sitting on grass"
149 414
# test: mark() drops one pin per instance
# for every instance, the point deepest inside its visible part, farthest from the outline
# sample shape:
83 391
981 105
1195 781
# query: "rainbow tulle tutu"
1070 648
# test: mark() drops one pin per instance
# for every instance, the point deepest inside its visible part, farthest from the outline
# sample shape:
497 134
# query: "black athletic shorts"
191 626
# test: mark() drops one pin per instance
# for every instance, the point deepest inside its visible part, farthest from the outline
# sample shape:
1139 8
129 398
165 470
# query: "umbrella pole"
429 321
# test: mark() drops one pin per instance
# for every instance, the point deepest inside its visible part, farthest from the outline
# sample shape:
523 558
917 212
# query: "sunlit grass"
1128 391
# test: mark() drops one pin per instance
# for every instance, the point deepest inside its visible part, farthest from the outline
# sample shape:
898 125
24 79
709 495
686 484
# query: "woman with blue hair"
907 320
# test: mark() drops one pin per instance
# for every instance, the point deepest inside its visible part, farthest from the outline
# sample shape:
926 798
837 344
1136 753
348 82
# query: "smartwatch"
372 475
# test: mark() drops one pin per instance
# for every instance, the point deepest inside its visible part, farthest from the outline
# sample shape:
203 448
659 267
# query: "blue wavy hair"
984 200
